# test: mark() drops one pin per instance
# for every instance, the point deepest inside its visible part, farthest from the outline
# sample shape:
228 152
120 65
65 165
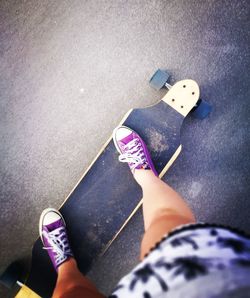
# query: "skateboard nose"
183 96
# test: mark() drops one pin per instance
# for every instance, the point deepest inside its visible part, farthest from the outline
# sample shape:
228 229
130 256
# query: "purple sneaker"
132 149
53 233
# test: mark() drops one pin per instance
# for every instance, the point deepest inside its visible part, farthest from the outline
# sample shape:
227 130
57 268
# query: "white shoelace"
135 154
59 244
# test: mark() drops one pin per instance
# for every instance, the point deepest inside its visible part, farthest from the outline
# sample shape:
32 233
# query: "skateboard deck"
107 196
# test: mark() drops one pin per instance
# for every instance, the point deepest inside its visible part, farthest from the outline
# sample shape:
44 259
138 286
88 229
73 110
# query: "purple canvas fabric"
148 164
56 233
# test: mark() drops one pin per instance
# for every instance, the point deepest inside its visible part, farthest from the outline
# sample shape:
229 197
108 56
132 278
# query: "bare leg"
163 208
71 283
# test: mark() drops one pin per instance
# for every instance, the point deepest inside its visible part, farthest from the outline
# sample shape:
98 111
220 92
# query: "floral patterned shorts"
205 260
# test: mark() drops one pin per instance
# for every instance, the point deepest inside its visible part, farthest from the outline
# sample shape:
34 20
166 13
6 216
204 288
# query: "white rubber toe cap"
122 132
50 217
47 217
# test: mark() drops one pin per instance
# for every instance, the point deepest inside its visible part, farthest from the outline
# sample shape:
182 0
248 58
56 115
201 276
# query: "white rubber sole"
45 211
114 136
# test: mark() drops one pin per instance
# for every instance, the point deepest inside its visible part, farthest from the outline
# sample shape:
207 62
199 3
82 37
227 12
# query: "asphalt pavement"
69 71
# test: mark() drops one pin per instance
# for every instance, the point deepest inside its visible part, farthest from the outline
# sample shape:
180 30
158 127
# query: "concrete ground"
69 70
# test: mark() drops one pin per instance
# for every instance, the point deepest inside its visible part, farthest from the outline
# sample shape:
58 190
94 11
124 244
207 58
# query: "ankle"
68 265
144 177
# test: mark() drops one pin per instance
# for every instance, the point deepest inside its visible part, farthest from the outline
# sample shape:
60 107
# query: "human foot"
52 229
132 149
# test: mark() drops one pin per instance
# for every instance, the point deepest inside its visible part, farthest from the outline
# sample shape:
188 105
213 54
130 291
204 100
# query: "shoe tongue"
54 225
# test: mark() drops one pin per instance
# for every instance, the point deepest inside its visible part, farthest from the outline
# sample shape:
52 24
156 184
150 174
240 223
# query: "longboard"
106 196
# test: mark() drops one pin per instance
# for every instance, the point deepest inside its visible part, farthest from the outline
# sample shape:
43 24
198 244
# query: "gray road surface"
69 70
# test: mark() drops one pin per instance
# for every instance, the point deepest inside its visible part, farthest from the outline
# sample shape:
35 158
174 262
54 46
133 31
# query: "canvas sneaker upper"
132 149
54 236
